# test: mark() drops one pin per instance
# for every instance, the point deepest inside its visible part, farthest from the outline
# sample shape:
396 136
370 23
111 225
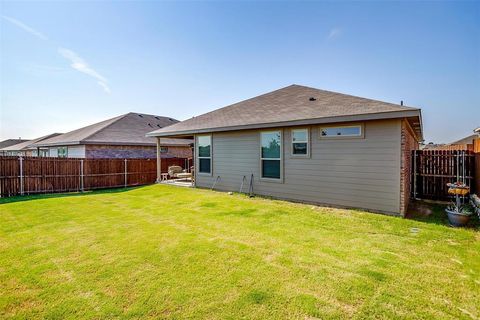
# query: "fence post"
21 176
125 172
81 176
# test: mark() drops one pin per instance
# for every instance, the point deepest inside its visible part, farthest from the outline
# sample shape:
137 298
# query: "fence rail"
31 175
433 169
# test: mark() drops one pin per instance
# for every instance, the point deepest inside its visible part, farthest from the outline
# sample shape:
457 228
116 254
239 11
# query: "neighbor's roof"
10 142
466 140
127 129
292 105
29 143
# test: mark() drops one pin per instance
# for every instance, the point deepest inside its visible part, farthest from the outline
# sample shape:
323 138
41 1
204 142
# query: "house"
27 148
466 140
119 137
465 144
8 143
304 144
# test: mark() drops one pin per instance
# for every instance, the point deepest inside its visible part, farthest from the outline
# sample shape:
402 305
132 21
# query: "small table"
164 177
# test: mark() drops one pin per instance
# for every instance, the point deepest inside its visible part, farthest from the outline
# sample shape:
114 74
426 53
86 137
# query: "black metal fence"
433 169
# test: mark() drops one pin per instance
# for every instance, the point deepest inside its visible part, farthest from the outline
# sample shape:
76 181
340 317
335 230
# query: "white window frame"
277 159
66 152
350 136
210 157
307 155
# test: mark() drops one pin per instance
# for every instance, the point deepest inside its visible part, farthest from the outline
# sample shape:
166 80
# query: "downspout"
159 161
194 173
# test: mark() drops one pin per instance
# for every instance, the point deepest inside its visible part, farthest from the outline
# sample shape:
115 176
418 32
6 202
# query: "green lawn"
169 252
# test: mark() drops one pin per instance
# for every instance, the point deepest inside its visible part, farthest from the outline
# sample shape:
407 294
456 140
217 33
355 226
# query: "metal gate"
433 169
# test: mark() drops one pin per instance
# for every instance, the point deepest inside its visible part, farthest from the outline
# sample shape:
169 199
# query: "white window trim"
307 142
66 152
210 158
279 180
351 136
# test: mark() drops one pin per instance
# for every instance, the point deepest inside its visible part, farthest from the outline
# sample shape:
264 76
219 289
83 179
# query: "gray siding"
351 172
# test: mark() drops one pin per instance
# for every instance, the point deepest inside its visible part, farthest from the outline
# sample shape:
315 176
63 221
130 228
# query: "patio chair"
174 170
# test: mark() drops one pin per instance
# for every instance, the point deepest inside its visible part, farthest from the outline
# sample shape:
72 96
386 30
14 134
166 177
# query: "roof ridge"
353 96
302 86
292 104
117 118
235 103
121 117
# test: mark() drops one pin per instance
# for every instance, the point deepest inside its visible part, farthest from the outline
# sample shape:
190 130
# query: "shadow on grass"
435 213
63 195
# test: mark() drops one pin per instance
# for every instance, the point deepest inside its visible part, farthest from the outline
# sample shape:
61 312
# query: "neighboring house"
119 137
8 143
434 146
467 140
27 148
308 145
466 144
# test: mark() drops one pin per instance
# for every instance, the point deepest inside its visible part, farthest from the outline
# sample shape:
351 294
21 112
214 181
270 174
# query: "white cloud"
104 86
81 65
77 62
26 28
334 33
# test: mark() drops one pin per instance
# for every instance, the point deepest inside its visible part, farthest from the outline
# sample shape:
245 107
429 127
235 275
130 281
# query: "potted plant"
458 216
458 213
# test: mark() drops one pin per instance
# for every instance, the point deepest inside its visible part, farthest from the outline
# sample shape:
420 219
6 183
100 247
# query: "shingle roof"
29 143
10 142
288 105
127 129
466 140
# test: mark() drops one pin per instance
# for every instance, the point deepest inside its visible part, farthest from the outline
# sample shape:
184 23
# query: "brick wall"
180 152
124 152
409 143
129 152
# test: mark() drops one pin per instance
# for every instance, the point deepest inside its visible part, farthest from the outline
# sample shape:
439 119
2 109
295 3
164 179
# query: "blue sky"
66 65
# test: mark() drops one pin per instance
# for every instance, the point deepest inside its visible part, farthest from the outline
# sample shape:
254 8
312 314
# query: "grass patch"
168 252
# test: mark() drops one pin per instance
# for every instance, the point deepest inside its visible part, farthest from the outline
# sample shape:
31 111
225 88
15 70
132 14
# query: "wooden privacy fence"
433 169
30 175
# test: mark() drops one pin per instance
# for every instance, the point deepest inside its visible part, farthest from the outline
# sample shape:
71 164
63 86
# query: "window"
163 149
62 152
300 142
271 154
347 131
204 154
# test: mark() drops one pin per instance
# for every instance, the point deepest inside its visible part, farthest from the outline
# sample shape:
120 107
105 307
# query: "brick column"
408 143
